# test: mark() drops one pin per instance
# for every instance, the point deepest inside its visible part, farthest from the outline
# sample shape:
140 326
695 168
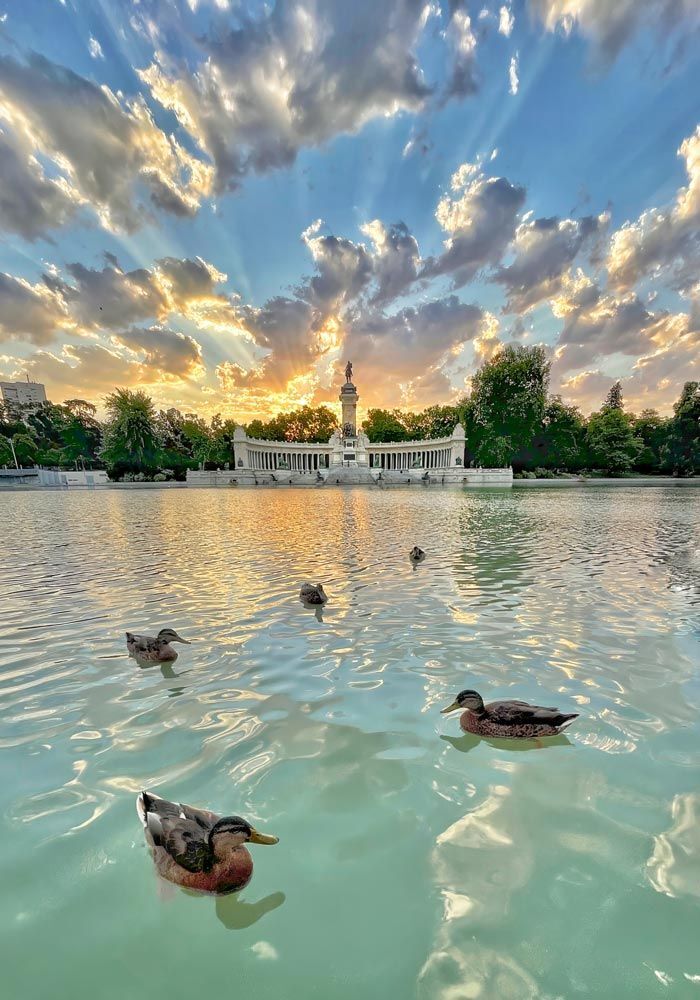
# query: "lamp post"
12 449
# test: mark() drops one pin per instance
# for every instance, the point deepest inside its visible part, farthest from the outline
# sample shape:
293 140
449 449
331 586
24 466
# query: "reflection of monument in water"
350 458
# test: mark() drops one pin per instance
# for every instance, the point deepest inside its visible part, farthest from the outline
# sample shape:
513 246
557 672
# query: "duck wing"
520 712
180 830
141 643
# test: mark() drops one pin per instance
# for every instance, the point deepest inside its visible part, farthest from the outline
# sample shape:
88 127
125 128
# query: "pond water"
413 862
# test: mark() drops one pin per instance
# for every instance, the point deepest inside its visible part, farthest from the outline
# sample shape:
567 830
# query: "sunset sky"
222 202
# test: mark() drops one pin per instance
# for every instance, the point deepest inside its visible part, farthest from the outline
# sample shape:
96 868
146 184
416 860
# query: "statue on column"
348 372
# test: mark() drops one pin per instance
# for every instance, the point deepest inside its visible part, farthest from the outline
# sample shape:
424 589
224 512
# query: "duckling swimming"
416 554
508 719
197 849
313 594
154 649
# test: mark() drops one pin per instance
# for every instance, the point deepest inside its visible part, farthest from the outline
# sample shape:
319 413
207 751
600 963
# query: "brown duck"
197 849
508 719
154 648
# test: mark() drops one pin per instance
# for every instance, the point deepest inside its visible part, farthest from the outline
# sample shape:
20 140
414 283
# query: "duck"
416 554
197 849
313 593
154 648
508 719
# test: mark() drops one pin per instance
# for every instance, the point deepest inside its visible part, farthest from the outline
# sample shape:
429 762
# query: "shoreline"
638 481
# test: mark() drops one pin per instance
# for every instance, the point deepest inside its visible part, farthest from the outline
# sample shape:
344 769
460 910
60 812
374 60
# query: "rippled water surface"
413 862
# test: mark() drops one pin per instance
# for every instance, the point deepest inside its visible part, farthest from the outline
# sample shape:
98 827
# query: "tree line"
509 418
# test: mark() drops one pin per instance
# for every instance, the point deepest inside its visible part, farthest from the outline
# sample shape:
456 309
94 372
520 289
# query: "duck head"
470 700
416 553
168 635
231 832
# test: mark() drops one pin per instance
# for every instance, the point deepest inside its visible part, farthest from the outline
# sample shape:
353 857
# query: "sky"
222 202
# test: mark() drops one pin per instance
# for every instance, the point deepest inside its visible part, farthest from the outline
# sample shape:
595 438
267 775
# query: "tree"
559 442
611 440
384 425
681 452
434 422
131 442
652 431
613 400
509 394
308 424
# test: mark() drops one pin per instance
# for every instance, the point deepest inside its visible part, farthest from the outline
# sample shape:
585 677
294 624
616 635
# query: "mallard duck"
313 594
154 648
416 554
509 719
197 849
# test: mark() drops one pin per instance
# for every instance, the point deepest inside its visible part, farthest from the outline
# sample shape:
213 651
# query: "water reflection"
469 742
236 913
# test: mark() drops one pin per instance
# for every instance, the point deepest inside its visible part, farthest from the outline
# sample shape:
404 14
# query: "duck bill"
450 708
263 838
178 638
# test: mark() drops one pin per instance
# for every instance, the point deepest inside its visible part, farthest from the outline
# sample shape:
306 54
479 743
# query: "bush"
541 473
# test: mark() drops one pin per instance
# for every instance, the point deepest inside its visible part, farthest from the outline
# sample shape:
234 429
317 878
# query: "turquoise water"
412 863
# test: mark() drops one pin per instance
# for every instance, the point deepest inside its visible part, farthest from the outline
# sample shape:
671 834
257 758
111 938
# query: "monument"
348 401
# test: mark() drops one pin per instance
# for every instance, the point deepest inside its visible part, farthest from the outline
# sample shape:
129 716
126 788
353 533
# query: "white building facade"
17 394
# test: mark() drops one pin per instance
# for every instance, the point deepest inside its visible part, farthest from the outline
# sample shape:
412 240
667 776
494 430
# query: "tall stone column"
348 401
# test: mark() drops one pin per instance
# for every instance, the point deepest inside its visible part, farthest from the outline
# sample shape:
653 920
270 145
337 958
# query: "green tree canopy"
681 452
611 440
308 424
131 442
507 403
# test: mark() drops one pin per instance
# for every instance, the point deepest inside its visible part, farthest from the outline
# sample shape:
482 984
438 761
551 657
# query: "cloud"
513 78
395 259
167 353
506 21
343 270
95 49
597 324
481 219
30 312
406 353
462 41
611 25
543 251
30 203
288 79
104 149
662 241
655 379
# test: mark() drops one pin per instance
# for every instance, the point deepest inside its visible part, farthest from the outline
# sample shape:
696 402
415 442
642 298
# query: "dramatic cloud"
104 149
597 324
395 259
289 79
481 218
30 203
343 270
30 312
663 240
164 352
610 25
543 251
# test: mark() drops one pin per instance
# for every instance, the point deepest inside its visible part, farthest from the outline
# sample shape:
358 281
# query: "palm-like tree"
131 439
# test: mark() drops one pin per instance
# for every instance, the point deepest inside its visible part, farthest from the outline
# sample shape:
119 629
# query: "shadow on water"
167 673
468 742
235 913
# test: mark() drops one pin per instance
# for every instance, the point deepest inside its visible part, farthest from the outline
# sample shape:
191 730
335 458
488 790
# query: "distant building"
16 394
